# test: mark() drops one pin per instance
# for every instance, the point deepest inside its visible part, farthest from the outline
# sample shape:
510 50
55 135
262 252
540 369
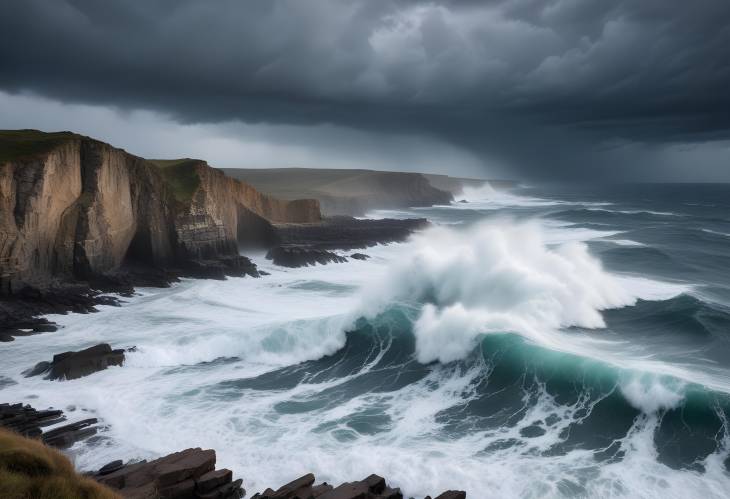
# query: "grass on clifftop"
31 470
180 175
16 144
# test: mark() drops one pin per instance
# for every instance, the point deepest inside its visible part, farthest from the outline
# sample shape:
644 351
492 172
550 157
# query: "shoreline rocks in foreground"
188 474
27 421
372 487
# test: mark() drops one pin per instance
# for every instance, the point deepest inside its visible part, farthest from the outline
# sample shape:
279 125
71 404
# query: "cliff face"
76 211
80 208
224 213
346 192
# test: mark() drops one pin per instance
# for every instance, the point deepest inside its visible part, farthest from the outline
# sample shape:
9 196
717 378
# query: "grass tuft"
180 175
19 144
31 470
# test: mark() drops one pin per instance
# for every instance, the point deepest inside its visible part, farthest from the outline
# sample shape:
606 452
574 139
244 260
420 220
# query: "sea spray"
282 375
496 277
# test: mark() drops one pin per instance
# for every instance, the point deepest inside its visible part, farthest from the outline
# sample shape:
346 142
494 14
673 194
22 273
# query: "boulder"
360 256
73 365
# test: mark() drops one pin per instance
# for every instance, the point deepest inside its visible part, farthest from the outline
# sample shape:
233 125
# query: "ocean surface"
553 341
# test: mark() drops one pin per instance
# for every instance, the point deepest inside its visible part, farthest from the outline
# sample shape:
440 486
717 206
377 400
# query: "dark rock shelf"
29 422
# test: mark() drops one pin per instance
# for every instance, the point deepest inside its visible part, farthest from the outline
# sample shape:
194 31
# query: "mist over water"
539 343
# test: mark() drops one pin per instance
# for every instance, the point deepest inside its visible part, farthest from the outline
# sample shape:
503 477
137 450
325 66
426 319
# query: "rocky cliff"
346 192
73 208
223 213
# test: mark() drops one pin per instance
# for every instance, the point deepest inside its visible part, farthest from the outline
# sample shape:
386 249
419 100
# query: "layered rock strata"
189 474
78 215
29 422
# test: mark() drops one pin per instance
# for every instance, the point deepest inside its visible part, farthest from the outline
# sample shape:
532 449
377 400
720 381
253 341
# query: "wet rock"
26 420
300 256
73 365
39 368
67 435
214 479
360 256
187 474
452 494
111 467
372 487
29 422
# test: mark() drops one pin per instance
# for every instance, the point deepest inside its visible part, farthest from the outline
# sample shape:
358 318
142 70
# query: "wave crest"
496 278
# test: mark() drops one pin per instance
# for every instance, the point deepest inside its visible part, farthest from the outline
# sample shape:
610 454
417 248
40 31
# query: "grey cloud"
519 81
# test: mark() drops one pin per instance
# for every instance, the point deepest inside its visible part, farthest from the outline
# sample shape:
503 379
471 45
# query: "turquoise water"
548 342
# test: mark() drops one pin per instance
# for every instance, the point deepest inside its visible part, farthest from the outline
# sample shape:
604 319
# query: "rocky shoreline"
188 474
295 245
83 224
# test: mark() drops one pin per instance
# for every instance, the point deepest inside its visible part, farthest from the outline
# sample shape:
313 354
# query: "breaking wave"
502 277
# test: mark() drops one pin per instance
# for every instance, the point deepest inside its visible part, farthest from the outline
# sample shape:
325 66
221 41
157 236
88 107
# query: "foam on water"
717 233
486 197
501 277
198 339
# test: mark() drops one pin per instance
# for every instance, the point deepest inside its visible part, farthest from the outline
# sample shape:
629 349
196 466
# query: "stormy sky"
526 89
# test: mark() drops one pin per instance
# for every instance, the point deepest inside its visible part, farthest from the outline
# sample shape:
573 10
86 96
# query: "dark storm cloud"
528 82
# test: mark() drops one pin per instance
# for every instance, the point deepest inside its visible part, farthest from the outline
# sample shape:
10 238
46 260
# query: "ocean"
550 341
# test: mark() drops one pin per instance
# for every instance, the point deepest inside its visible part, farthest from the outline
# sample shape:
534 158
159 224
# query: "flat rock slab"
73 365
187 474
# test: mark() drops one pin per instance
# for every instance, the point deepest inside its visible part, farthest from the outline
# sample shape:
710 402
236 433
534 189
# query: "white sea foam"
626 242
486 197
717 233
502 277
639 212
527 278
650 393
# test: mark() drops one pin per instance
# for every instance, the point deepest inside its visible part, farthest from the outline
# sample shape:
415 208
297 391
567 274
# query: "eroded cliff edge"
74 210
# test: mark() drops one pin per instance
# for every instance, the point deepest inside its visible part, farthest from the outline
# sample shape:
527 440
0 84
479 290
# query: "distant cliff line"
356 192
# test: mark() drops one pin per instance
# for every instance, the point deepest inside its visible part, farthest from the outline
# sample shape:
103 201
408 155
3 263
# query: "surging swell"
501 277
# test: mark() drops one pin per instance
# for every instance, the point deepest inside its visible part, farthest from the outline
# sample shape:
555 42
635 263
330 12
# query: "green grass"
19 144
180 175
31 470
